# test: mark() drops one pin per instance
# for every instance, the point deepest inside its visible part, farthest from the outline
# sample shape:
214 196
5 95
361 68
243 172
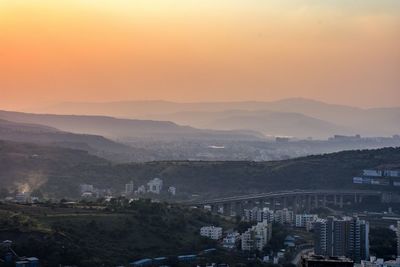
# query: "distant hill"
58 172
346 119
267 122
39 134
125 129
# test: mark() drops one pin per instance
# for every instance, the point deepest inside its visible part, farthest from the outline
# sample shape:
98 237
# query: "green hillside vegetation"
57 172
97 237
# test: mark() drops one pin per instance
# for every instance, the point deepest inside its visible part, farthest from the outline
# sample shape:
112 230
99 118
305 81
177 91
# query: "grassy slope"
84 237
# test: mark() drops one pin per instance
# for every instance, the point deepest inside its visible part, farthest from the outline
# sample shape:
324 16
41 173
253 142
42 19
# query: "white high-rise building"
256 237
347 237
211 232
155 186
284 216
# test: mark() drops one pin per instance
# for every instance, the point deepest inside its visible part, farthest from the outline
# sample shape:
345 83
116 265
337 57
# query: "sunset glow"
336 51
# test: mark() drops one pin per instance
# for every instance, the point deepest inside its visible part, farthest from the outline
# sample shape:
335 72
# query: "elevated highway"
296 199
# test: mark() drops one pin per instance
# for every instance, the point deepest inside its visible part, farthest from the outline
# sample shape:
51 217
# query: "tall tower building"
342 237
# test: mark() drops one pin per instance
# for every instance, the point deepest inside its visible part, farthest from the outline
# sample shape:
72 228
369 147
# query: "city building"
268 215
305 220
212 232
253 215
342 237
155 186
129 188
256 237
322 261
230 241
283 216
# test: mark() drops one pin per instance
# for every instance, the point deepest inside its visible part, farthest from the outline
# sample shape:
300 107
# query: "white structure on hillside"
155 186
211 232
86 188
172 190
129 188
256 237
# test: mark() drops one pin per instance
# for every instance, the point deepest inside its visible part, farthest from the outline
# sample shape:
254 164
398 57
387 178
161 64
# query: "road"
297 258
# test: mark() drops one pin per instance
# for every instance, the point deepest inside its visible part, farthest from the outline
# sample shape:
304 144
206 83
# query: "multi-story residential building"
256 237
268 215
258 215
304 220
231 240
253 215
155 186
342 237
283 216
211 232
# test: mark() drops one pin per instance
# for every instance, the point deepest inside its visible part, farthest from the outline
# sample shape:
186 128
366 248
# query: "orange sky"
185 50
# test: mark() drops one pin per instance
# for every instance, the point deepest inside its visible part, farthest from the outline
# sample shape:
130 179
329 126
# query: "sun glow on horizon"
336 51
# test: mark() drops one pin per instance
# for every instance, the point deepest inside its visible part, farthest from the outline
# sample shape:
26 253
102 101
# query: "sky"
343 51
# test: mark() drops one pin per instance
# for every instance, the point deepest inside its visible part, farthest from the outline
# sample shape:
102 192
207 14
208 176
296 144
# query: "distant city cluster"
154 186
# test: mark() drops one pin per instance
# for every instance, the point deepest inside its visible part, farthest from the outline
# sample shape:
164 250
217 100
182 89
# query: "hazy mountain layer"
125 129
333 119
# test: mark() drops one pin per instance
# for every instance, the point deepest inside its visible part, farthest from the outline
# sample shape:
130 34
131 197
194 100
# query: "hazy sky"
342 51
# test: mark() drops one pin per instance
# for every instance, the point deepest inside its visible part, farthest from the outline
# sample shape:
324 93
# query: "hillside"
94 144
104 237
348 120
58 172
125 129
